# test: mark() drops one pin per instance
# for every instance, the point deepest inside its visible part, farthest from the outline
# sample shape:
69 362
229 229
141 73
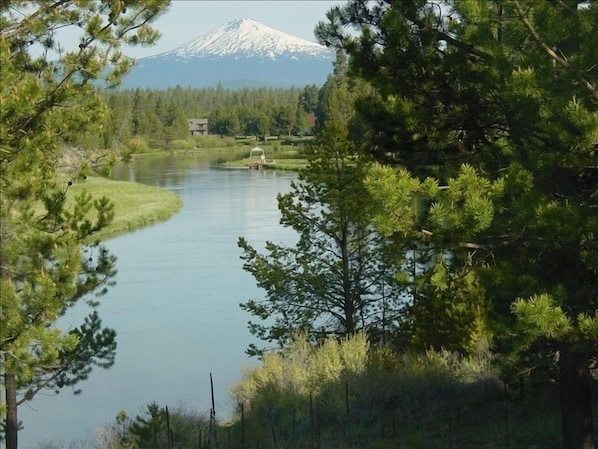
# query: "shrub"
212 141
183 144
346 391
137 146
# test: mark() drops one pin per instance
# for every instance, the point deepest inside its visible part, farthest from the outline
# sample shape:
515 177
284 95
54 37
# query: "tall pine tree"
338 279
49 94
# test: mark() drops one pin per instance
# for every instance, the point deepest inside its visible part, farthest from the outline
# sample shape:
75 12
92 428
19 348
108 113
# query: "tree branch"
450 40
549 51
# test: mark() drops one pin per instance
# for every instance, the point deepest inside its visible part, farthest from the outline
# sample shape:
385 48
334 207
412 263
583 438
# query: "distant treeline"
160 116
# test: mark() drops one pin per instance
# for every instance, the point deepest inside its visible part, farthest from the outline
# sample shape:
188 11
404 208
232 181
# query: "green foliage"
160 427
541 317
447 308
284 382
497 100
345 393
421 209
214 142
308 99
338 279
197 142
49 92
136 146
159 117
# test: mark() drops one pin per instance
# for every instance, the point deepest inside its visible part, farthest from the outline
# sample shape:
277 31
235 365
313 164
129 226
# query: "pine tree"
48 260
336 280
508 87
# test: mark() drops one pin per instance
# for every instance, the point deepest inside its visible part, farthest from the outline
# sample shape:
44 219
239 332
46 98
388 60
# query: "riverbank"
135 205
138 205
289 153
284 159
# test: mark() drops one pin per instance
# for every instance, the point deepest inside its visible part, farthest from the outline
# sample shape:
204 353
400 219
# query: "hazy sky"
187 20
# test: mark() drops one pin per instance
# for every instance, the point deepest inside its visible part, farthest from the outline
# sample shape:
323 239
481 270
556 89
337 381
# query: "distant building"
198 126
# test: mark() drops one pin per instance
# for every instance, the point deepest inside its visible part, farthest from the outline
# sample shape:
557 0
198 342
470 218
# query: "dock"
257 159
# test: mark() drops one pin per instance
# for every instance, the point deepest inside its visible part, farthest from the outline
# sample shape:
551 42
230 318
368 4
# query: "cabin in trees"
198 126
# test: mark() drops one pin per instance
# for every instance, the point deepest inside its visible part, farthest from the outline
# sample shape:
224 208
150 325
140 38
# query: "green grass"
286 158
280 164
135 205
212 151
233 152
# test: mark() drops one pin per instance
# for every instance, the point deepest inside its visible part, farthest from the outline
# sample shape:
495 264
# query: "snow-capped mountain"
242 53
250 39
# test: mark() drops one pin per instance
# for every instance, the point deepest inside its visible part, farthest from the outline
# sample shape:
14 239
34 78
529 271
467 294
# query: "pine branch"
14 29
449 39
549 51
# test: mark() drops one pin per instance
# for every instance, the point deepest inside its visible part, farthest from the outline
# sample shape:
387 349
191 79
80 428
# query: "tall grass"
345 394
348 395
209 141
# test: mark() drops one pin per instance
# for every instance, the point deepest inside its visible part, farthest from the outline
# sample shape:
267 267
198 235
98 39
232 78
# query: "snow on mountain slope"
243 53
247 38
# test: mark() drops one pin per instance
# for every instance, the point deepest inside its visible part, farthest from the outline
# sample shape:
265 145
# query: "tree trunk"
576 399
12 422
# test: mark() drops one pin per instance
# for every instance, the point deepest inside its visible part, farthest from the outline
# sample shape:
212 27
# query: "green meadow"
135 205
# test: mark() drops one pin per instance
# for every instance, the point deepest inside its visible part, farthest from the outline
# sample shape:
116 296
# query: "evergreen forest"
157 119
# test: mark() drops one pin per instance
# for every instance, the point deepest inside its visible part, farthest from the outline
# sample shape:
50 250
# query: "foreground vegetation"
348 394
50 260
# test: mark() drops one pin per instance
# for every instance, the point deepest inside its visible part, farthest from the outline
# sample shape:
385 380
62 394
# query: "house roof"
197 121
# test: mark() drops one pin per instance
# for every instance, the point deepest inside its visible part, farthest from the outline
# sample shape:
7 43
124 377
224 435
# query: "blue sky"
189 19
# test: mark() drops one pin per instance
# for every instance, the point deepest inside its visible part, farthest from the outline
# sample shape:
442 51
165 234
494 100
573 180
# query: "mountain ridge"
241 53
249 38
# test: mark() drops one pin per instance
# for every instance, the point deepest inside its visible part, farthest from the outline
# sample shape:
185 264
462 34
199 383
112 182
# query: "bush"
348 389
137 146
153 428
183 144
211 141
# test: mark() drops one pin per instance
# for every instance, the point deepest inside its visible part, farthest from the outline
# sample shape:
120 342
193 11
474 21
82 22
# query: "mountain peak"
241 53
248 38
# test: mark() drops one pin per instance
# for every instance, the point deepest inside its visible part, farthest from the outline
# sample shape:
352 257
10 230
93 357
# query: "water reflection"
170 169
175 306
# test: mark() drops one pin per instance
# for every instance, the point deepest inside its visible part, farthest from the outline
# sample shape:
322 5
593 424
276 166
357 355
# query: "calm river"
175 305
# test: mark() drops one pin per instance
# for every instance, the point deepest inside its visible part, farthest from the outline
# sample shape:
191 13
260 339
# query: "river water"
175 305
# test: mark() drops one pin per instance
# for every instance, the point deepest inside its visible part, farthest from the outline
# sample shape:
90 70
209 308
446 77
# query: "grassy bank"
288 151
285 157
135 205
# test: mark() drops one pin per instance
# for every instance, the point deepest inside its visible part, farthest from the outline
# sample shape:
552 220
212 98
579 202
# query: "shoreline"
135 205
139 205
